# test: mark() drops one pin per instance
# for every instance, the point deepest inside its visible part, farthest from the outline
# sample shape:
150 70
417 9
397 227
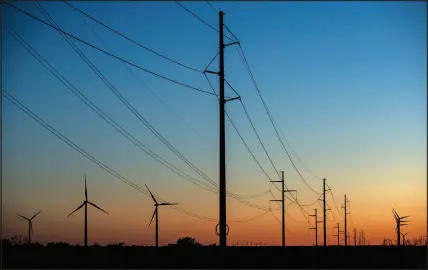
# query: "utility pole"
316 226
223 237
359 239
283 204
338 234
345 213
362 237
325 216
355 237
222 220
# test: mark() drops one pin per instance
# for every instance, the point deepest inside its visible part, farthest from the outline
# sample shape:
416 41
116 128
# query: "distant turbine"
400 223
156 213
30 225
404 237
85 203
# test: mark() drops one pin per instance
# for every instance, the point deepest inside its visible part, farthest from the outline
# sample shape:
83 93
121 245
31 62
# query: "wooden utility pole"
283 191
338 234
316 227
222 219
355 237
345 230
325 216
223 241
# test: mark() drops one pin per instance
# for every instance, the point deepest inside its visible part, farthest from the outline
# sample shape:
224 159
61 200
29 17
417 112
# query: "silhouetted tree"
58 244
187 241
119 244
18 240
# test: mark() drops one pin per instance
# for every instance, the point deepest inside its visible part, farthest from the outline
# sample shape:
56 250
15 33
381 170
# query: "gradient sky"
345 81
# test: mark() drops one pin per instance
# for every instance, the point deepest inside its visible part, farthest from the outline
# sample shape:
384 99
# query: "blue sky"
345 81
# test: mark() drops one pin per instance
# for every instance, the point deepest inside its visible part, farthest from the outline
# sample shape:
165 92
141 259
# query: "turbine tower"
30 225
400 222
156 213
85 204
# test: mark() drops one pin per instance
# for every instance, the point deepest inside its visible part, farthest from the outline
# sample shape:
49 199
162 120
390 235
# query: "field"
214 257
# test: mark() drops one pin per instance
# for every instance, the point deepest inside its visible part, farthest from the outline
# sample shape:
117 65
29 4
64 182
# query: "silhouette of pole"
355 237
325 218
283 207
86 224
345 213
362 237
157 226
223 239
338 234
316 227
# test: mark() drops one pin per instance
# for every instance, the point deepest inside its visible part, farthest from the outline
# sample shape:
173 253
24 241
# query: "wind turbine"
85 203
30 225
157 216
404 235
400 223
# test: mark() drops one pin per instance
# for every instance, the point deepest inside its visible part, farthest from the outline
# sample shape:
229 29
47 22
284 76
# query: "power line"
109 54
212 6
201 20
157 134
295 154
130 107
101 113
130 137
131 40
271 119
334 201
62 137
143 83
89 156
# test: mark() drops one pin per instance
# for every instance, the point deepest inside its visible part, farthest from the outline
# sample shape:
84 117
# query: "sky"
344 81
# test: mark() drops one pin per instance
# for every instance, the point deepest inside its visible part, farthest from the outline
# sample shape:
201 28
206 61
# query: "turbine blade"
86 190
76 209
395 213
168 203
94 205
154 213
36 214
31 227
23 217
404 217
153 197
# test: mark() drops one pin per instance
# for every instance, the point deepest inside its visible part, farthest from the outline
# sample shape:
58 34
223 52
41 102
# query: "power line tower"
338 234
316 226
283 191
222 219
345 213
325 210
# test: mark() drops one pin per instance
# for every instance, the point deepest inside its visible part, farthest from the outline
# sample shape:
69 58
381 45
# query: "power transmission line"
139 79
128 105
86 154
271 119
151 128
107 53
101 113
131 40
212 6
62 137
201 20
129 136
334 201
